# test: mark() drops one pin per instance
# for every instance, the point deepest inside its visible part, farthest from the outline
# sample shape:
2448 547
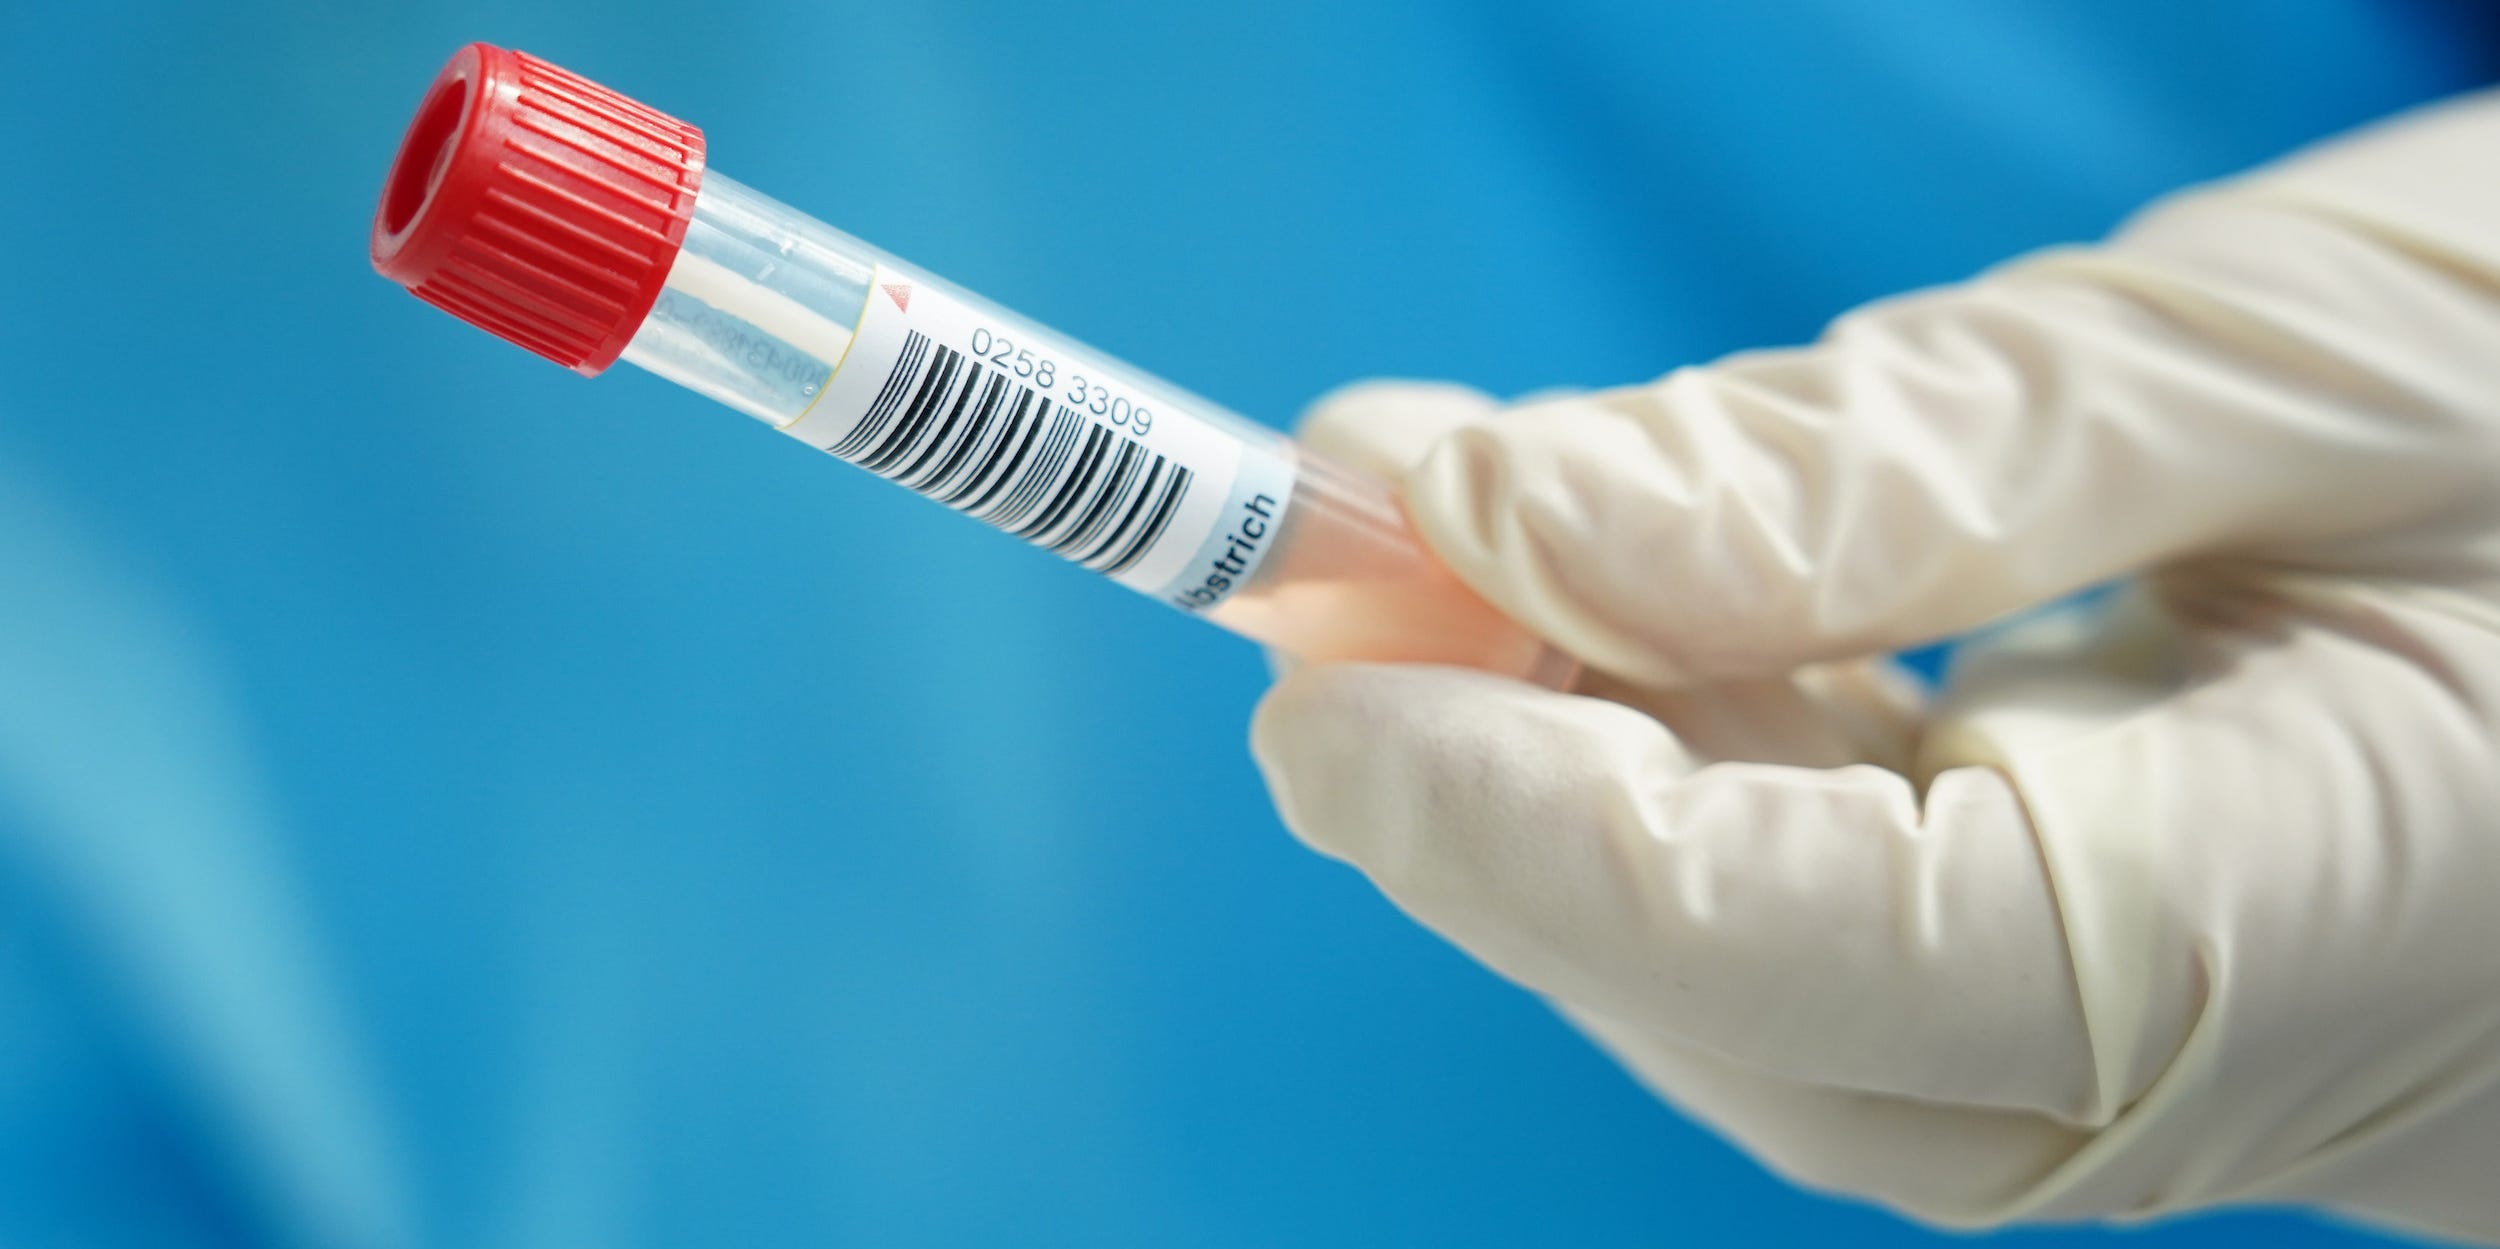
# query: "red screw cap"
537 205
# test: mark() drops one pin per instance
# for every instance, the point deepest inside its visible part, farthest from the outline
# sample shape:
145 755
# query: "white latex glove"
2196 902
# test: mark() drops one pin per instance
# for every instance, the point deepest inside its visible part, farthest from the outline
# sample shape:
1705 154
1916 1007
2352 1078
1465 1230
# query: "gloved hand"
2193 901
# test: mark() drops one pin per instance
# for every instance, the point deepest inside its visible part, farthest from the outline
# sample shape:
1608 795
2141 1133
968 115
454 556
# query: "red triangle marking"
900 293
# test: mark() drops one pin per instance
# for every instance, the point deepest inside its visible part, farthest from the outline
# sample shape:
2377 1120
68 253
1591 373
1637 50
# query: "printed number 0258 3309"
1092 396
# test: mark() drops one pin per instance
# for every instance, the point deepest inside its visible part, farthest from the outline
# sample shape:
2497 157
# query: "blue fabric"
444 802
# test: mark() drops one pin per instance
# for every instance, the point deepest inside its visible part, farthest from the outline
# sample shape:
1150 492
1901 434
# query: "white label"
1048 441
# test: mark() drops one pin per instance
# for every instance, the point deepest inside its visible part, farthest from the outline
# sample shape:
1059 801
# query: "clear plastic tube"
585 226
763 303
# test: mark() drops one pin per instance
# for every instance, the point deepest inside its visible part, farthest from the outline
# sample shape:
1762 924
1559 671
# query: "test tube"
585 226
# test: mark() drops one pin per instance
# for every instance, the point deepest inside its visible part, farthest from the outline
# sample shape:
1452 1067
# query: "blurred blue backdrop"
446 802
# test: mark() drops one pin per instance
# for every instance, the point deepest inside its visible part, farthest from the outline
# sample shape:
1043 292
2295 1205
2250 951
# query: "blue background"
446 802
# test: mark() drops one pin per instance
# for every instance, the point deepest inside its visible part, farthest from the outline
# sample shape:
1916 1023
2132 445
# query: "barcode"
984 443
